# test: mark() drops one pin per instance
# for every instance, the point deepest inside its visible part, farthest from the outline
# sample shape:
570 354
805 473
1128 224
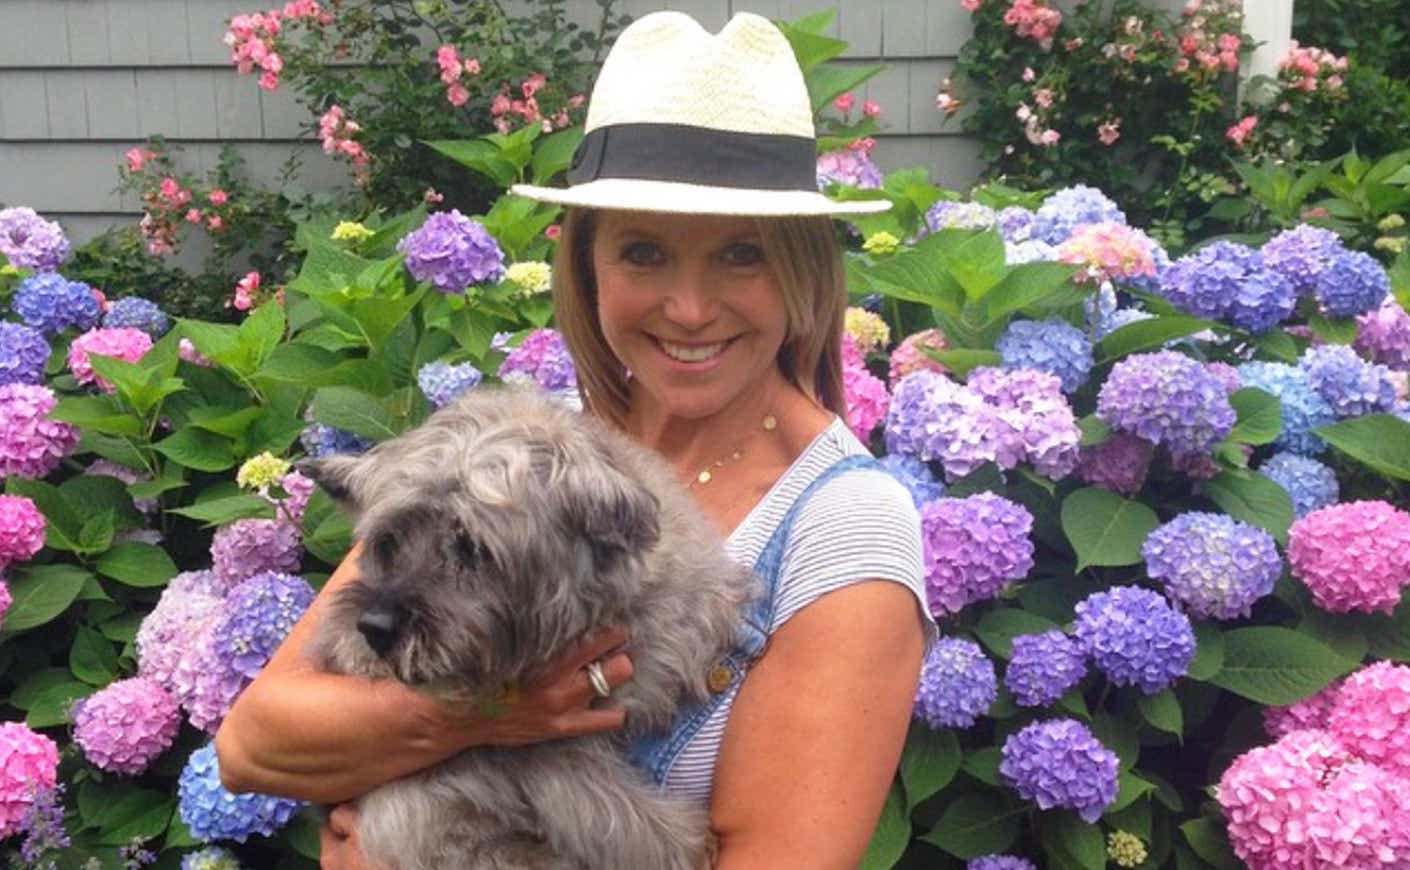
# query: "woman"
699 286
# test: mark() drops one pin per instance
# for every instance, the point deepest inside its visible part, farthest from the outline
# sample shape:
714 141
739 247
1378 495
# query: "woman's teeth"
685 353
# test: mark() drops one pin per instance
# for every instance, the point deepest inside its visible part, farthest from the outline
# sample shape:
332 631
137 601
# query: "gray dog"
494 537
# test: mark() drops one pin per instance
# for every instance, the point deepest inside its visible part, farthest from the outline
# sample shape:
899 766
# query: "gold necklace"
707 474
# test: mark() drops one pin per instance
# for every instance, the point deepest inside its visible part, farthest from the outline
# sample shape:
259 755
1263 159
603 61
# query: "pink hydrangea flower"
5 600
1383 334
248 547
125 343
124 727
29 763
187 351
31 445
1370 714
1110 252
1308 713
908 356
190 602
1352 556
21 530
867 400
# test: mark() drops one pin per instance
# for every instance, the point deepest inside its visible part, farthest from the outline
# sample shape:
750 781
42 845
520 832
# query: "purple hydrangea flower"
1302 407
1167 399
1309 483
1350 384
950 215
1043 668
124 726
51 303
541 358
205 682
23 353
1119 463
1015 223
1229 281
1069 208
1351 284
248 547
441 382
1135 637
1053 346
452 252
29 241
1212 564
213 813
1059 763
1227 375
137 313
999 862
1031 405
849 167
259 614
957 684
31 445
915 476
1301 253
935 419
191 601
974 547
1383 334
320 440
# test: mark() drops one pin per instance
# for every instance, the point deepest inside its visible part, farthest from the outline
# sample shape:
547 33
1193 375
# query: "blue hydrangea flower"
1053 346
1167 399
1043 668
1303 409
211 858
256 618
1100 305
915 476
1119 318
1350 384
320 440
1031 251
213 813
1301 253
949 215
51 303
1229 282
441 382
1212 564
1151 283
452 252
23 354
1015 223
1135 637
957 684
1311 484
1351 284
935 419
1059 763
994 862
1069 208
138 313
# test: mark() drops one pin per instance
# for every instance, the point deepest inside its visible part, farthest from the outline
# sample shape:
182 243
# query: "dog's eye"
469 550
384 550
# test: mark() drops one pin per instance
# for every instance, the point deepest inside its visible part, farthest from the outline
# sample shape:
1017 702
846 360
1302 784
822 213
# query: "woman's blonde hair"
807 264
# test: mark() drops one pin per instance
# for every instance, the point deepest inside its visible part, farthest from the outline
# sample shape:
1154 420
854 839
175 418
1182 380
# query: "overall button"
720 677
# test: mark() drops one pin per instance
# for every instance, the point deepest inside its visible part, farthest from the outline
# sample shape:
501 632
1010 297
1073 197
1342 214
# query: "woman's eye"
744 254
642 254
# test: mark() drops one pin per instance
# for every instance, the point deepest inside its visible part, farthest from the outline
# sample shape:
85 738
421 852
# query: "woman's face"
690 305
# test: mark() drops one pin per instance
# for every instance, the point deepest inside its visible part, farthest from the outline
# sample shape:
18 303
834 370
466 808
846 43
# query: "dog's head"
492 537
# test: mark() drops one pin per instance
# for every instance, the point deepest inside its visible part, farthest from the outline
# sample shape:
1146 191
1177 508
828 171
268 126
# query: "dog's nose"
379 626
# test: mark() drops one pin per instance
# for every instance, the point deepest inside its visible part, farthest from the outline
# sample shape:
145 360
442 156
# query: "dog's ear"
619 516
337 475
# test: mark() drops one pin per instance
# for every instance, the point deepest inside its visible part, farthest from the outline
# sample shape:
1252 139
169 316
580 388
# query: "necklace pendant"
770 423
704 477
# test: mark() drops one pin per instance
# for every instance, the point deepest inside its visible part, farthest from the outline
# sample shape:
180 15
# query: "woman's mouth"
692 353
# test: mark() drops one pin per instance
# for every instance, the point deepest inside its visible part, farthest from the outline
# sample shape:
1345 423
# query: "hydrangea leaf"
930 761
1209 652
1129 788
353 411
892 834
99 413
219 511
1379 441
1254 499
1333 330
137 564
1146 334
1162 710
198 449
981 823
961 360
141 814
92 658
40 593
51 707
1071 842
1104 528
1277 666
1210 843
1389 636
997 628
1260 416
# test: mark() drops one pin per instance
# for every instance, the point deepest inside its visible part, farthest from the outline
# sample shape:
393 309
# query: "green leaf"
962 361
1342 331
327 268
1277 666
51 706
1119 736
1209 652
810 46
29 688
301 833
1072 842
1129 789
975 824
137 564
1389 636
1278 346
40 594
892 834
1381 442
92 657
983 765
1399 272
997 628
62 521
355 411
1260 416
826 83
1254 499
1162 710
1094 430
930 761
1343 635
554 153
98 413
196 448
219 511
1146 334
1104 528
96 534
140 814
1027 285
975 260
1210 843
481 156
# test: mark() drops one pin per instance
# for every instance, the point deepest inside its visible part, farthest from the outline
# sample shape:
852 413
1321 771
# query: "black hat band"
696 155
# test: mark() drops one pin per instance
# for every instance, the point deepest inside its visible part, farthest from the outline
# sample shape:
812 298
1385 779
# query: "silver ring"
598 679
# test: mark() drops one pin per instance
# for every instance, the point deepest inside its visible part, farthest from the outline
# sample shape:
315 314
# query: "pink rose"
457 94
1043 97
1109 132
844 103
499 105
214 223
552 232
1028 74
532 85
871 109
971 5
193 216
219 197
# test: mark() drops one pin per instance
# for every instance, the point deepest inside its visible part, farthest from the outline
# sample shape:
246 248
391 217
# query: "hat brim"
675 197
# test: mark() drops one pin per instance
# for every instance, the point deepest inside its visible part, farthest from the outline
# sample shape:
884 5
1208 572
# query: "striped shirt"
861 525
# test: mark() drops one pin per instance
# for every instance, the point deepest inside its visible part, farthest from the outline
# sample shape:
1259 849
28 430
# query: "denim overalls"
655 753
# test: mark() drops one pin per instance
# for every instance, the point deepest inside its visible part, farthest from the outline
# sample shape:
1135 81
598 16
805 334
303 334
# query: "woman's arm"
327 738
815 735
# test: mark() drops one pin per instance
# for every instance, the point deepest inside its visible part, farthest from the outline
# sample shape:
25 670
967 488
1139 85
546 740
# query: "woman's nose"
692 303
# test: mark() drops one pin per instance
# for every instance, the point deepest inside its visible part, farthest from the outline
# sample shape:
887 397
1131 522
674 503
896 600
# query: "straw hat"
686 121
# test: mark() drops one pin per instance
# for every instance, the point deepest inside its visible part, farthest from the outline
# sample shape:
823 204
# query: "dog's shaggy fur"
495 537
